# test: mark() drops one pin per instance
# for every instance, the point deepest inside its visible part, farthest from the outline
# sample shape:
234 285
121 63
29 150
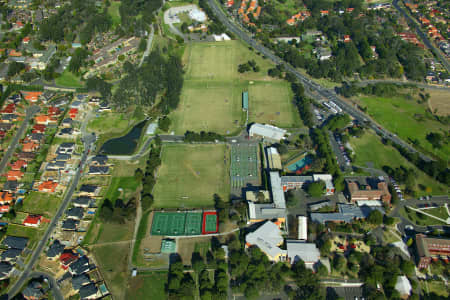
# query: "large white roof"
403 286
267 131
267 238
307 252
277 190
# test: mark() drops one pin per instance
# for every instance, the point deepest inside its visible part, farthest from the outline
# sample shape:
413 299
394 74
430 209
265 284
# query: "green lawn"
418 218
190 175
370 149
408 119
109 122
113 11
128 186
68 79
271 102
440 212
211 98
148 286
41 203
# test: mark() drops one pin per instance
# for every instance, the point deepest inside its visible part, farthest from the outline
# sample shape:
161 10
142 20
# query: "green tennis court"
193 223
168 223
210 222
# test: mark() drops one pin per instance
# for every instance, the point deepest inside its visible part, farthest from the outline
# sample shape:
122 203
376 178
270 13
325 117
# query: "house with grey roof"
80 266
11 254
79 281
300 250
89 291
82 201
70 225
15 242
33 290
75 213
55 250
101 170
346 214
5 269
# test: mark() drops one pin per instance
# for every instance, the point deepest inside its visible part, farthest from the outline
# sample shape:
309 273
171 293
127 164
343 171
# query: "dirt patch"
439 102
186 246
151 244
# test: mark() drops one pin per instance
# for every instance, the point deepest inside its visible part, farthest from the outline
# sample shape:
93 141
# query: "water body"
124 145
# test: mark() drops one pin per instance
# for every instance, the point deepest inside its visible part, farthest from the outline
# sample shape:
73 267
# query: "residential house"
80 266
32 221
99 160
45 120
14 175
66 258
9 118
66 148
80 281
67 123
28 156
66 133
10 255
55 166
48 186
33 291
63 157
5 270
89 291
75 213
89 190
102 170
55 250
70 225
15 242
73 112
30 147
39 128
31 96
36 137
6 198
11 186
4 208
54 111
81 201
18 165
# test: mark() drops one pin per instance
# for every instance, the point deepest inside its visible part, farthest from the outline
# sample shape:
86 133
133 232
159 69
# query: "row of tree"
203 136
148 178
117 212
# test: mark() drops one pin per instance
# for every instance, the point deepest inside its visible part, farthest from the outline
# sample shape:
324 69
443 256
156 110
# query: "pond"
124 145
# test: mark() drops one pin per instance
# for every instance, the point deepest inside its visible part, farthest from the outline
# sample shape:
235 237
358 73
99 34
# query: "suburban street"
19 134
422 35
309 84
27 272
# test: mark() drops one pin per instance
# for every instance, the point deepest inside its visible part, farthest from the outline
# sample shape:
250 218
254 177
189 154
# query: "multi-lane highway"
27 272
311 86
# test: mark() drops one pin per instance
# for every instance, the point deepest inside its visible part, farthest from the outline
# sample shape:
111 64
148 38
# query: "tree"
407 267
375 217
325 248
435 139
15 68
316 189
164 123
339 263
77 60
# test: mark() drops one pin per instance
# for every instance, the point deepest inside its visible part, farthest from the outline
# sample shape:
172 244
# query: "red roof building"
73 113
18 165
31 96
39 128
9 109
14 53
53 111
48 186
30 147
67 258
26 40
4 208
6 198
14 175
32 221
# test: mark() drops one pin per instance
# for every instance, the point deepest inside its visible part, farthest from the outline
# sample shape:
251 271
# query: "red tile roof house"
31 96
18 165
2 134
32 221
53 111
44 120
30 147
6 198
14 175
73 113
26 40
4 208
9 109
66 259
39 128
48 186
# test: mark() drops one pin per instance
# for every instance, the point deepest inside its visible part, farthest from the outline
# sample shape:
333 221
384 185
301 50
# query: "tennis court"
210 222
168 223
193 223
244 164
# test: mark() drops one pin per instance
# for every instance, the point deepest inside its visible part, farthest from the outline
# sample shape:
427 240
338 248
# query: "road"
88 140
19 134
424 37
311 86
149 45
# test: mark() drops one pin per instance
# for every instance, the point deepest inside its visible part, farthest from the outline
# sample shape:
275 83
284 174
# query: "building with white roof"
273 158
277 191
267 131
268 238
403 286
197 15
299 250
302 228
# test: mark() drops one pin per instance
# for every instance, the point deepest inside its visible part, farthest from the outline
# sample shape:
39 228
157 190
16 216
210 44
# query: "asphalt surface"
311 86
19 134
149 45
27 272
424 37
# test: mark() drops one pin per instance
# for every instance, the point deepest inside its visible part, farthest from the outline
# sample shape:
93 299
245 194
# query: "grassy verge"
139 236
418 218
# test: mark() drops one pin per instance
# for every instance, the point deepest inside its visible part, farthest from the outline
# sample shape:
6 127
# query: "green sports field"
212 90
190 175
271 102
177 223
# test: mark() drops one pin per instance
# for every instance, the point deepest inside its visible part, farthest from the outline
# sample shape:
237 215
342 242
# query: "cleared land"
408 119
211 99
271 102
148 286
41 203
186 246
389 156
439 102
190 175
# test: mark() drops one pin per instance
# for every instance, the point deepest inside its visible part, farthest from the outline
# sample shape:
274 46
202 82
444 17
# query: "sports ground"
190 175
244 165
211 96
184 223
